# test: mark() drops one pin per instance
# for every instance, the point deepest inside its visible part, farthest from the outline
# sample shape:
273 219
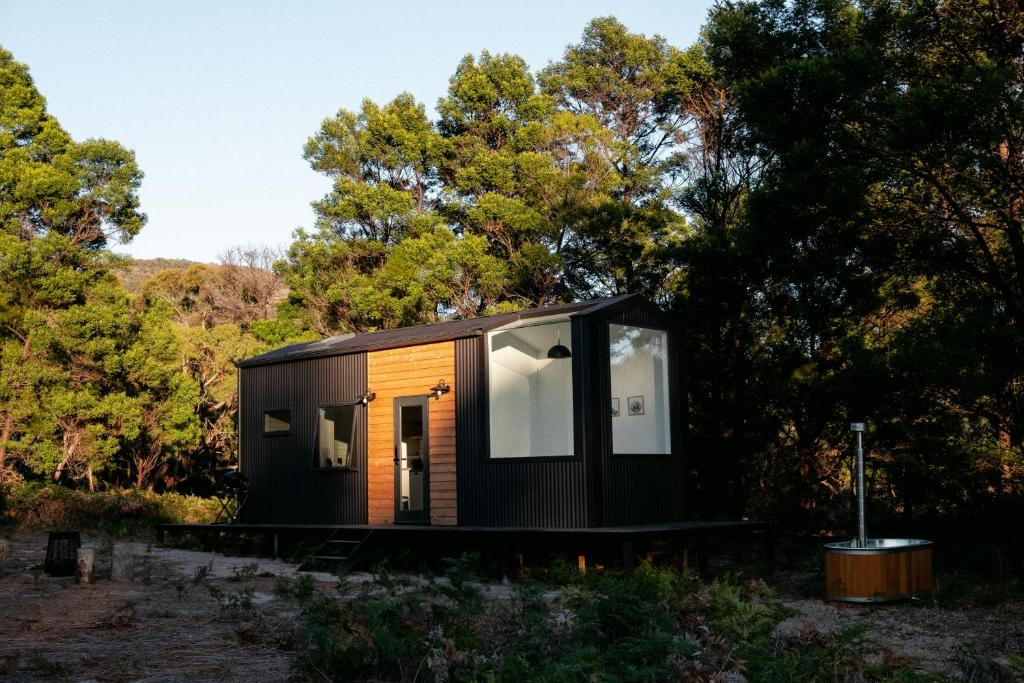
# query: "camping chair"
232 492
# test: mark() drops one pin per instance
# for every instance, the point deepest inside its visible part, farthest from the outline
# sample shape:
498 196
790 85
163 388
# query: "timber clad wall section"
411 371
285 487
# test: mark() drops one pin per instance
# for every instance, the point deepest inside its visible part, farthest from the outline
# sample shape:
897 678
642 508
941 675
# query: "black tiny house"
570 416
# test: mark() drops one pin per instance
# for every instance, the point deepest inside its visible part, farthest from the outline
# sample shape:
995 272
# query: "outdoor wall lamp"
439 389
367 397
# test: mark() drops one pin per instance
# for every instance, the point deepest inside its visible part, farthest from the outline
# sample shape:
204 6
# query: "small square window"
277 421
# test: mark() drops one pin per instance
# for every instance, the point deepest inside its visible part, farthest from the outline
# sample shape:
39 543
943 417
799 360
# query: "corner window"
277 422
530 391
639 381
336 436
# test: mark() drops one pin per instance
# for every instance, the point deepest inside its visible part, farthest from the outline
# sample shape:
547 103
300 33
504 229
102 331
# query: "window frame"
281 432
486 457
669 369
358 436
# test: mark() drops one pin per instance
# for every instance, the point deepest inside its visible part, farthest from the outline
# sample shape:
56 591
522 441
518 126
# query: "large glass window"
640 401
531 391
336 441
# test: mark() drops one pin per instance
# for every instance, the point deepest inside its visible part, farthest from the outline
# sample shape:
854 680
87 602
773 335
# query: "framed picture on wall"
615 407
636 405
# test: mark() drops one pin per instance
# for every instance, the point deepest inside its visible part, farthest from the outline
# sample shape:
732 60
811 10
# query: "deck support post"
702 554
504 563
628 559
274 553
581 563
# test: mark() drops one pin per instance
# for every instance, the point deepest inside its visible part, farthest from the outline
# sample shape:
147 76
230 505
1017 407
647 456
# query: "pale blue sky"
217 98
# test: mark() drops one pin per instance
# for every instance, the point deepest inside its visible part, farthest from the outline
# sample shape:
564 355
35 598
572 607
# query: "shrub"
124 511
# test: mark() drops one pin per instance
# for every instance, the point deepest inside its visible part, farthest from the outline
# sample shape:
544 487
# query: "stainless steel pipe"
862 534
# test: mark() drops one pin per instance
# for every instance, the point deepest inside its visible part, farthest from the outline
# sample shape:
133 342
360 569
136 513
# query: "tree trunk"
122 567
8 428
5 435
86 561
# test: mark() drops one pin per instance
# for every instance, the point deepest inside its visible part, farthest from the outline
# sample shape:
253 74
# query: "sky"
218 98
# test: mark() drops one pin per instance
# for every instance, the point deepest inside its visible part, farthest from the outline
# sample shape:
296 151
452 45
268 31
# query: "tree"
60 203
519 172
638 88
885 219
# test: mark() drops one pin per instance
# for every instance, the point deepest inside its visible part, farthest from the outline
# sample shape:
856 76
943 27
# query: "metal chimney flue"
862 535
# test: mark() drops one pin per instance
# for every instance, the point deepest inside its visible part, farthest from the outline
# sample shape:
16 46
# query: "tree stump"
86 560
122 566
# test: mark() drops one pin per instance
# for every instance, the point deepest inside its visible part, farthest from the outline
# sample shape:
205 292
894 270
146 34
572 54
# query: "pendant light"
559 351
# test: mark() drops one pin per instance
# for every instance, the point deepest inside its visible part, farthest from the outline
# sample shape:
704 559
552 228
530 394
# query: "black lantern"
62 553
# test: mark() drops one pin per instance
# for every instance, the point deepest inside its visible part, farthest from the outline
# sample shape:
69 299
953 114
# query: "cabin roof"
422 334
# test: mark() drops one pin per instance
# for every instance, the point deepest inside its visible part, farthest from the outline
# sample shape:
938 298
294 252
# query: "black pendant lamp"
558 350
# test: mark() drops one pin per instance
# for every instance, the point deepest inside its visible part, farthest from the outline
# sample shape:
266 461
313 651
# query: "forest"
829 194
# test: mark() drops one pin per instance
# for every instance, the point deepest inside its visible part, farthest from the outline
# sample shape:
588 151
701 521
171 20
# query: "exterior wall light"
441 388
367 397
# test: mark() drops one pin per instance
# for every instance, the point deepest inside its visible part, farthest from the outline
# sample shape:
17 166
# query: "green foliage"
853 257
743 613
36 506
652 624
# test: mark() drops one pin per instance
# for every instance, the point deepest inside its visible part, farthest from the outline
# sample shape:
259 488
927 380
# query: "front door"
412 499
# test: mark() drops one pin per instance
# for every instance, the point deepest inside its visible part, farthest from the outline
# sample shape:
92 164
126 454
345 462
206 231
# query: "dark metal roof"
421 334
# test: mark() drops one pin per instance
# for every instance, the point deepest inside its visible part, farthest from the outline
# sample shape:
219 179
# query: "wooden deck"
690 538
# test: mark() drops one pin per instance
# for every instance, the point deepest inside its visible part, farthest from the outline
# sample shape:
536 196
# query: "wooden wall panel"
411 371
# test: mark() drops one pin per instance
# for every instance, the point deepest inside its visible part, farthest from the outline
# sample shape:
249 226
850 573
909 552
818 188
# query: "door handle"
397 460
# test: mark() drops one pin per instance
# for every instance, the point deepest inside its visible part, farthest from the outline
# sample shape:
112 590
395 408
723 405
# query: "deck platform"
690 537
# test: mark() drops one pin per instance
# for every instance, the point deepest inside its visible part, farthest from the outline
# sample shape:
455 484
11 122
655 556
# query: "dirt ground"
170 623
164 626
964 642
933 639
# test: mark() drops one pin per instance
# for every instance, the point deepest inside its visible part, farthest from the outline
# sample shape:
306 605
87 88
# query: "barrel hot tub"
880 570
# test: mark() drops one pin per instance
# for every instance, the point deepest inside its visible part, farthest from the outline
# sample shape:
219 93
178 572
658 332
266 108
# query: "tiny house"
570 416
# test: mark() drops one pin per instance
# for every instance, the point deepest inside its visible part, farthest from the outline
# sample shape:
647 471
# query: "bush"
124 511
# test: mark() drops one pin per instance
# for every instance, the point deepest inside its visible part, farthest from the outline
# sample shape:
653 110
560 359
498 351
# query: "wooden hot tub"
880 570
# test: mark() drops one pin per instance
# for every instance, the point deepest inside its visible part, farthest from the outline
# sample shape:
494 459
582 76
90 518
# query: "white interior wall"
510 390
639 367
530 394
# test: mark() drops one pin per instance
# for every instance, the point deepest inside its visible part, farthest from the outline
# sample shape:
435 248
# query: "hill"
140 270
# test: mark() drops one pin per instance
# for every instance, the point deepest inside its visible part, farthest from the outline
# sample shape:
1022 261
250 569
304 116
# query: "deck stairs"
339 553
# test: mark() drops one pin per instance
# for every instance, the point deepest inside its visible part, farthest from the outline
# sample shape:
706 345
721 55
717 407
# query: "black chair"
232 492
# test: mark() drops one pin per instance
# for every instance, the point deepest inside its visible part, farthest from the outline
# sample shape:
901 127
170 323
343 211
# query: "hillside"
141 270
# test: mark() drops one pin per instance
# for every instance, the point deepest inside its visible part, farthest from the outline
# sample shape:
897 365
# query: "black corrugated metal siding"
534 492
284 486
638 489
